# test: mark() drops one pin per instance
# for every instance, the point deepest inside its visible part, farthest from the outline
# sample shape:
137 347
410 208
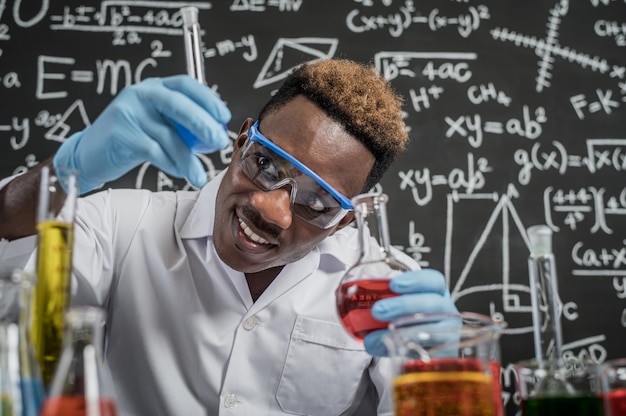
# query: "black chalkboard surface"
517 112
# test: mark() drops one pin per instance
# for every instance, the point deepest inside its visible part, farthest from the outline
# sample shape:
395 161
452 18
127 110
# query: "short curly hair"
356 97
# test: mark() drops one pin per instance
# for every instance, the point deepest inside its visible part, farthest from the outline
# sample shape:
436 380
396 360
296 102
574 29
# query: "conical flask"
21 386
368 280
82 384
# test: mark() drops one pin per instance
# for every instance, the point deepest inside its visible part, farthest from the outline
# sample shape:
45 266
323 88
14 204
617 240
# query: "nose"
274 206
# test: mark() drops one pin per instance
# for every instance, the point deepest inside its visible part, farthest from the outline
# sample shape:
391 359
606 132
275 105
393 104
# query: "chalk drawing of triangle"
74 119
291 52
514 297
505 212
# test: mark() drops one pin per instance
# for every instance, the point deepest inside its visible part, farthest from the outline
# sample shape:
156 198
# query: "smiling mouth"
251 234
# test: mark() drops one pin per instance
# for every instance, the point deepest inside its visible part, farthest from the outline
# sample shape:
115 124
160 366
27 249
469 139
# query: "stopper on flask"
369 200
540 237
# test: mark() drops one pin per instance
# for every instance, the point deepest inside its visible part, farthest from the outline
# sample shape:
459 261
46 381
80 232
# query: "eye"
310 205
314 202
267 167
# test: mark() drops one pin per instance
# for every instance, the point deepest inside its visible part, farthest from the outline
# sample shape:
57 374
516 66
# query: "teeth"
251 235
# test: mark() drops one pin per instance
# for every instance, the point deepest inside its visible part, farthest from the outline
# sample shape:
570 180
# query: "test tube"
193 45
544 295
195 69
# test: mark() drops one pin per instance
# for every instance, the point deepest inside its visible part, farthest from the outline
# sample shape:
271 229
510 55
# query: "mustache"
255 217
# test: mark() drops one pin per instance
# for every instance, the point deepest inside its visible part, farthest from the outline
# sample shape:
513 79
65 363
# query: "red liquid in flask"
616 401
354 303
76 406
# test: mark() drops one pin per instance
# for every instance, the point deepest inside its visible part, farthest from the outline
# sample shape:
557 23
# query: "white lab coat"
183 334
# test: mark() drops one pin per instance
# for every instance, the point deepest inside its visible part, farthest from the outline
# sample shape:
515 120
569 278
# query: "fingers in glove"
202 95
395 307
163 148
374 343
181 110
185 165
425 280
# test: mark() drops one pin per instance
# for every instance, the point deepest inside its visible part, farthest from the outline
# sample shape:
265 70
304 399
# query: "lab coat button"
250 323
230 400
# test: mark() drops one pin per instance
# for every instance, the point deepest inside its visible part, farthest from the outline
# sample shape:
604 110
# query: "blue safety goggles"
270 167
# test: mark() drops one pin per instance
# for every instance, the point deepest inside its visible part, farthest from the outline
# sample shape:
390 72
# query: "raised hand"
144 123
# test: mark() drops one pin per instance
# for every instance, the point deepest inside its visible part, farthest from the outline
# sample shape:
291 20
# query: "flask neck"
371 219
84 327
25 299
81 365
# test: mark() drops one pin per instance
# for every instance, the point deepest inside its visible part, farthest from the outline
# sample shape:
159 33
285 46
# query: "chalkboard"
516 112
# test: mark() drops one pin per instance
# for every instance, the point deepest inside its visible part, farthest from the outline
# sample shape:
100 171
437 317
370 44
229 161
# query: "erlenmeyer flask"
21 386
82 384
368 280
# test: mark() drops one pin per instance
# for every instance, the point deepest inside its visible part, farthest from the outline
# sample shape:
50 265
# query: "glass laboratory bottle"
82 384
22 390
368 280
55 239
544 295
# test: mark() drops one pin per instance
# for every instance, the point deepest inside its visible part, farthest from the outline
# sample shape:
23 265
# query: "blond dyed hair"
355 96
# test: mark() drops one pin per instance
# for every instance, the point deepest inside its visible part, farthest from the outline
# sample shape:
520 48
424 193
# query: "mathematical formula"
516 112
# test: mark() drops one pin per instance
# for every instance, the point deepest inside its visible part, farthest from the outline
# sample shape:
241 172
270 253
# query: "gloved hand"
142 124
422 291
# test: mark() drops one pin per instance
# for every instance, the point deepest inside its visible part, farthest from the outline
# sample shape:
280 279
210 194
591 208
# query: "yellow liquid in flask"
51 295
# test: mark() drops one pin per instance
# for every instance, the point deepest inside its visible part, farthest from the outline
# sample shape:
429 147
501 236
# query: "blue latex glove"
422 291
144 123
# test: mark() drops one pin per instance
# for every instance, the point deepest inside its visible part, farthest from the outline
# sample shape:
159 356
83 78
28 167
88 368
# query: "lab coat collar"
291 275
199 223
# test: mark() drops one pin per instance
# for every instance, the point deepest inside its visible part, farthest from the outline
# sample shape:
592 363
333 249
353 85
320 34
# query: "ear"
345 221
243 133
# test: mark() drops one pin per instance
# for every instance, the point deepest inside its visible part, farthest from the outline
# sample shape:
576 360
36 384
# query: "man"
222 301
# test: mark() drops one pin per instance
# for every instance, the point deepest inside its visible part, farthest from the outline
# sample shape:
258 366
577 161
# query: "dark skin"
307 133
18 204
302 129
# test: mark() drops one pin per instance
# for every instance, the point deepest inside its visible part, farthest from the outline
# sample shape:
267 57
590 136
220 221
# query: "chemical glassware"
544 295
563 386
195 69
368 280
193 43
82 384
21 386
615 396
446 364
51 295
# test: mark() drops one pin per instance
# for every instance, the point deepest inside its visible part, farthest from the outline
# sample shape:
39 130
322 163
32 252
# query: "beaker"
82 383
564 386
446 364
615 397
368 280
21 386
55 240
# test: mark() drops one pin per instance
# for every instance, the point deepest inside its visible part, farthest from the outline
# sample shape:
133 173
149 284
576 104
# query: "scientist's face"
255 228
